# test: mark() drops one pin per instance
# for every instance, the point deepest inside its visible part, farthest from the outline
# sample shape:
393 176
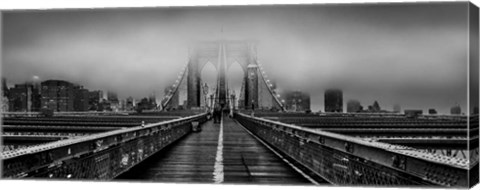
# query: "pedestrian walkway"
220 153
246 160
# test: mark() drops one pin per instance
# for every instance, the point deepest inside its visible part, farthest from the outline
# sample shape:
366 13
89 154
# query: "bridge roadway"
220 153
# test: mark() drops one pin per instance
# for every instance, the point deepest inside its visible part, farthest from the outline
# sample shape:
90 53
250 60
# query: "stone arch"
203 62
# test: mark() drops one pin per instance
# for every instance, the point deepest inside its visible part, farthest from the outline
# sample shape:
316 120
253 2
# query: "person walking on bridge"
253 108
217 114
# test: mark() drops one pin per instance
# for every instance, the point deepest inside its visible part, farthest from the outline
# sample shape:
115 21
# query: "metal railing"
100 156
345 160
68 113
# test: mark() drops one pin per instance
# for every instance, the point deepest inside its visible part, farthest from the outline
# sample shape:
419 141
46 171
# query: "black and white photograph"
375 94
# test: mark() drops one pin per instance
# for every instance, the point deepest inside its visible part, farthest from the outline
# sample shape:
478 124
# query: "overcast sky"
411 54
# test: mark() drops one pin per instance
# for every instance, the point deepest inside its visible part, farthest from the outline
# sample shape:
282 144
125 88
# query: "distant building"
122 105
375 107
130 104
81 99
112 97
5 91
297 101
115 107
4 87
413 113
397 108
153 99
145 104
5 104
104 105
24 97
20 98
432 111
94 99
57 95
333 100
456 110
354 106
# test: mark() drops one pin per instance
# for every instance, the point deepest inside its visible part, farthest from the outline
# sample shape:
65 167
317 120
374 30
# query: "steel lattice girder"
100 156
345 160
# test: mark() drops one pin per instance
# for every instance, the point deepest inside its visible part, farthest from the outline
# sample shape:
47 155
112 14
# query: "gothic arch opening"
208 81
235 76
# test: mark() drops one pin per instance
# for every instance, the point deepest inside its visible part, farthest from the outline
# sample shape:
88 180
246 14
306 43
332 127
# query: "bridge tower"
251 93
193 84
222 88
222 54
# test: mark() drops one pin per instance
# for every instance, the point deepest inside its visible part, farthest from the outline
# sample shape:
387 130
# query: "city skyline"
287 98
370 52
37 80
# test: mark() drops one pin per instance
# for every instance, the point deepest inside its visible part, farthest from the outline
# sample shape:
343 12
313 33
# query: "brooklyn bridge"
216 140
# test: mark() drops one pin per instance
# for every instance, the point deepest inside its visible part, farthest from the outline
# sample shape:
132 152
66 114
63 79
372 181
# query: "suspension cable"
176 86
271 90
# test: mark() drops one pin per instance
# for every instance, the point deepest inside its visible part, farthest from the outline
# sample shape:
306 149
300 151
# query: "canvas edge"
473 88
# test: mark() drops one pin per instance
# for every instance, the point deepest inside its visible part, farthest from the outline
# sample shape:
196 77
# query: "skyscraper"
354 106
333 100
57 95
4 87
456 110
397 108
94 99
130 104
375 107
112 97
113 100
20 98
152 98
5 91
80 99
24 97
297 101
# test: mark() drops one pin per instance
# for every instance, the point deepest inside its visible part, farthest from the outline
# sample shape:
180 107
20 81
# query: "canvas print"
367 94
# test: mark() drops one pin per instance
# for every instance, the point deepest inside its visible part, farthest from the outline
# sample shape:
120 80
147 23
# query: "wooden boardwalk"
202 158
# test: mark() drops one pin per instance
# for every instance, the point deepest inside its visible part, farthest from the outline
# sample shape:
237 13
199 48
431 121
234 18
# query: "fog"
411 54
